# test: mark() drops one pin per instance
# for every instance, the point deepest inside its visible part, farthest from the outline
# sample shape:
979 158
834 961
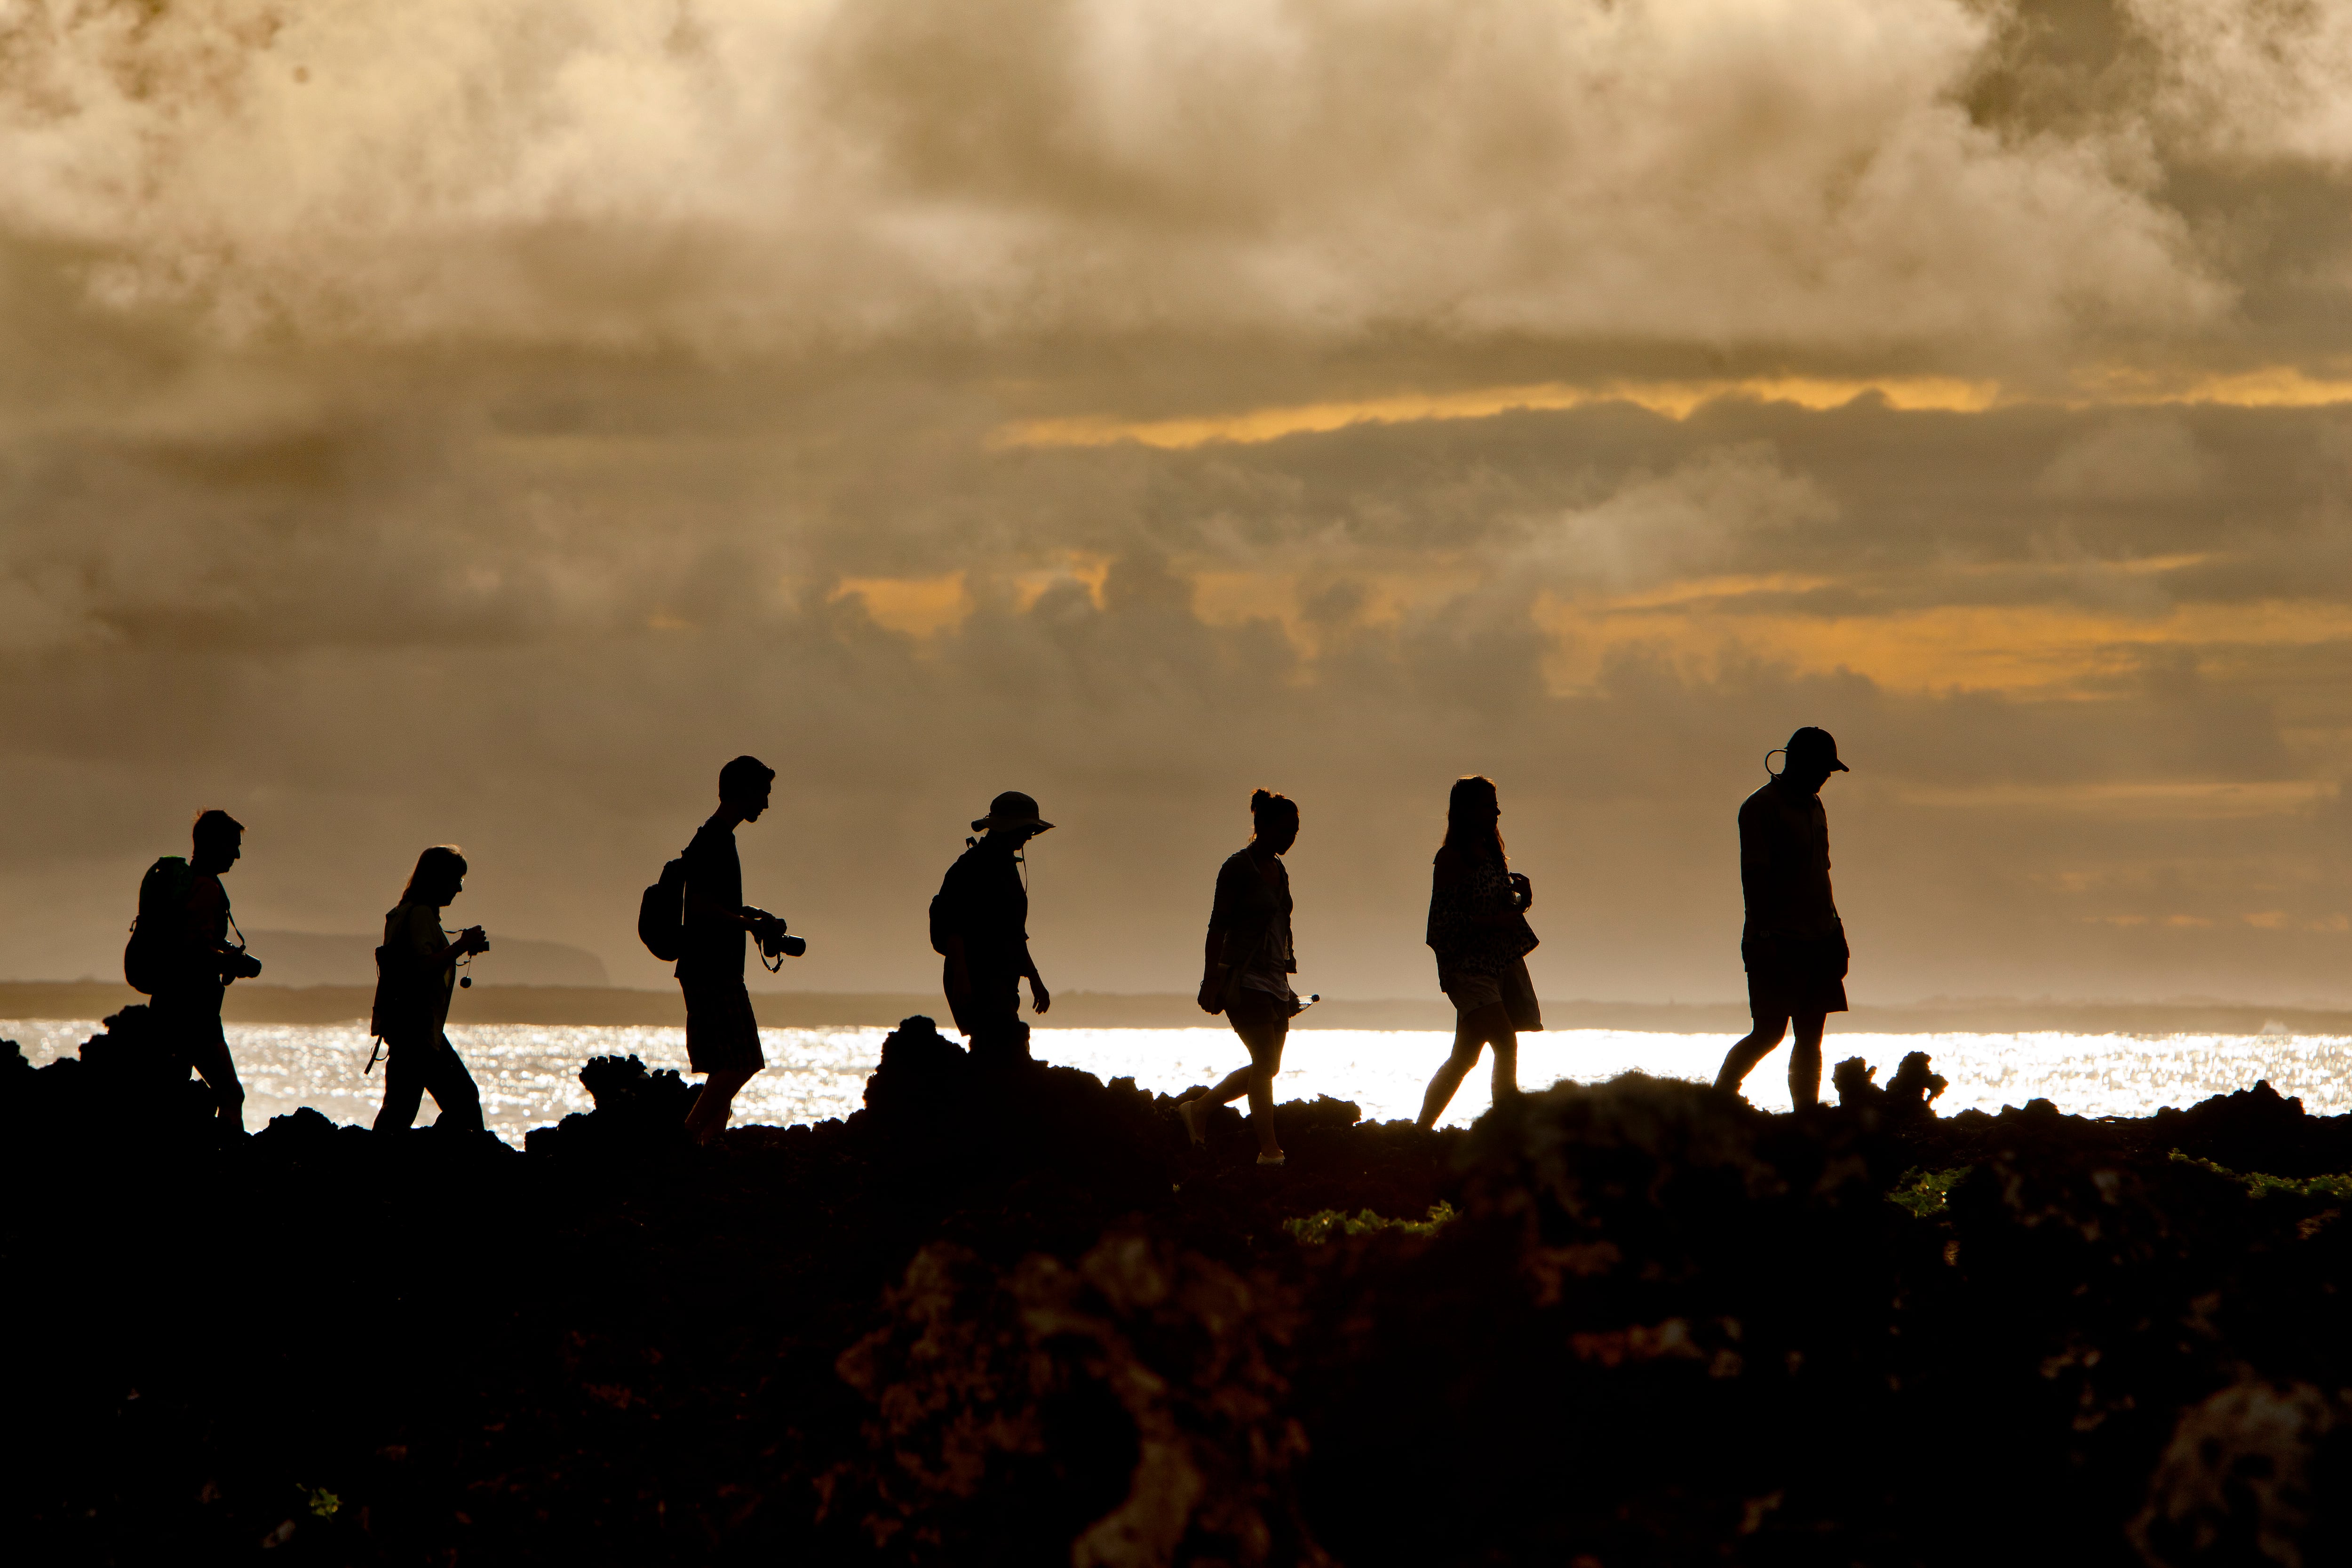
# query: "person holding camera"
1478 928
980 927
417 974
723 1035
1246 968
194 961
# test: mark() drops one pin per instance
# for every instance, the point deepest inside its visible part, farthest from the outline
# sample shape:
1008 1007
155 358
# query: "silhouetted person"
194 959
1793 943
722 1037
420 973
1478 926
980 925
1246 966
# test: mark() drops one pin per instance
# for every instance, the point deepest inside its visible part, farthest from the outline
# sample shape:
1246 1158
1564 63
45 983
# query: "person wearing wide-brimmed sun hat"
1793 943
980 926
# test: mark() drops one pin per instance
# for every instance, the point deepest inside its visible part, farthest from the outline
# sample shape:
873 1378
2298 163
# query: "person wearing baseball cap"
980 927
1793 943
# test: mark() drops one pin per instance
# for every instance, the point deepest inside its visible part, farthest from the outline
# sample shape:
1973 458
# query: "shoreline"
622 1006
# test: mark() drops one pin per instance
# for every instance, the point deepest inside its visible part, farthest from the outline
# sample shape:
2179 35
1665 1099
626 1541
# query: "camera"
239 965
773 943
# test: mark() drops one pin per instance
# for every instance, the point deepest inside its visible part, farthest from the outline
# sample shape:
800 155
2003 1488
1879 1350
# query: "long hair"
435 868
1267 809
1470 832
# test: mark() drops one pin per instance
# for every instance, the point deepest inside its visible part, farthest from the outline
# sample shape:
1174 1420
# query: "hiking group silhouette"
185 951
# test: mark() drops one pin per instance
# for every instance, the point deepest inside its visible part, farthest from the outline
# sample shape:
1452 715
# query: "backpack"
661 913
945 910
163 892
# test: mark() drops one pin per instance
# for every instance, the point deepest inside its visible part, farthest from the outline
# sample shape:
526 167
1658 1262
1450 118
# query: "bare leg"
1265 1059
1261 1112
1471 1031
1251 1080
1743 1057
705 1118
1229 1087
1805 1062
1507 1064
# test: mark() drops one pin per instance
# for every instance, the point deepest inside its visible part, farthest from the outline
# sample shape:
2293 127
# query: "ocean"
528 1074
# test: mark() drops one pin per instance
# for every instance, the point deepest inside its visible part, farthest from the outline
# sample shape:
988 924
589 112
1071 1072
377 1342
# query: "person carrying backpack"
980 926
723 1035
179 953
416 971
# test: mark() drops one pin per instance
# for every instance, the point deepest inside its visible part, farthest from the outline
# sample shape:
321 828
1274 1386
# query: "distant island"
589 1005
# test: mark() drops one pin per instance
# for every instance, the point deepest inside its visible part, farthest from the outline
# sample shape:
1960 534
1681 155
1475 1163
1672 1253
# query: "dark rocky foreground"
987 1322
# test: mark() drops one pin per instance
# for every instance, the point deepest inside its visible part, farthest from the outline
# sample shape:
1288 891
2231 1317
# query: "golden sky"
477 422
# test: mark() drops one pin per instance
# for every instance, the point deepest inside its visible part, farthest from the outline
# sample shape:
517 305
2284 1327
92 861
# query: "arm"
958 972
716 914
1039 998
443 954
1755 858
1212 981
1449 874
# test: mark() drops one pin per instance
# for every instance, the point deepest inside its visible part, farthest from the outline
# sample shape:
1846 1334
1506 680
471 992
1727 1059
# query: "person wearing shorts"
1246 968
1793 944
722 1037
1478 929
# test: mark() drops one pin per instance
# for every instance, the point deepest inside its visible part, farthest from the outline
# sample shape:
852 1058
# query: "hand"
472 939
1525 890
1039 998
1209 989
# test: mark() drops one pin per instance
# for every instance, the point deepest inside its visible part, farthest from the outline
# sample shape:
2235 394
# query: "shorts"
721 1033
1262 1022
1790 977
1511 987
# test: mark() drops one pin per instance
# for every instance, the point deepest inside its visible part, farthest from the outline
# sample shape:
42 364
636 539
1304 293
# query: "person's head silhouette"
439 877
1011 815
1276 820
1811 758
218 842
744 787
1473 817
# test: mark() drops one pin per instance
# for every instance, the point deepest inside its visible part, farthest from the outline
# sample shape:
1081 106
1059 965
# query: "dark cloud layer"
477 423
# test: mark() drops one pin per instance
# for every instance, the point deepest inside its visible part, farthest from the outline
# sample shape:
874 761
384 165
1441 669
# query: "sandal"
1269 1159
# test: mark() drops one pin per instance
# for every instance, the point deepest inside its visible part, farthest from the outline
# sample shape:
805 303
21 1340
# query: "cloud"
1710 172
2144 459
475 422
2255 81
1655 530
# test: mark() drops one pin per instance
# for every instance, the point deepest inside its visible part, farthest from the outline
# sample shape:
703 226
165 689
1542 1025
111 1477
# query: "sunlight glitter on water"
528 1074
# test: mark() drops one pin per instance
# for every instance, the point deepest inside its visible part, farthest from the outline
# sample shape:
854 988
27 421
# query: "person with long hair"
1478 928
419 968
1246 967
